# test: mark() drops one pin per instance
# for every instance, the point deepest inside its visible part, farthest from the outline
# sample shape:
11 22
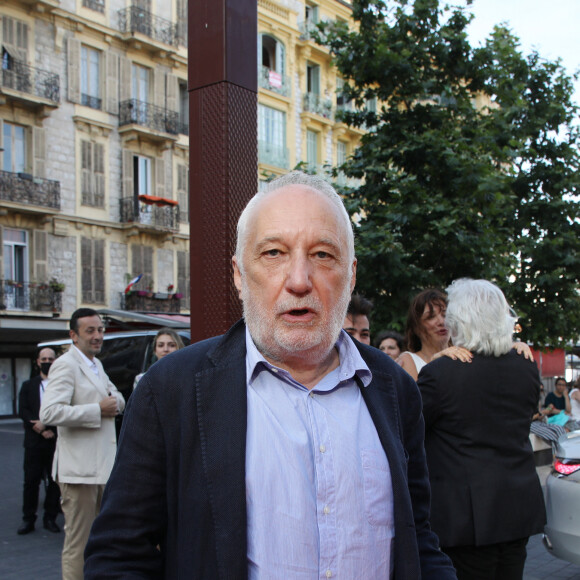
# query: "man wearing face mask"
39 446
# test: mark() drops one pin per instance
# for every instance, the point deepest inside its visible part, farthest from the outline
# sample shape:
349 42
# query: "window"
272 64
15 149
312 149
91 77
272 136
142 263
14 40
341 101
139 83
313 79
92 174
93 270
15 249
341 153
311 13
142 175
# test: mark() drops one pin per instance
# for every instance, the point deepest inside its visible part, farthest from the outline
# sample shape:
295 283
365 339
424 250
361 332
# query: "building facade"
94 148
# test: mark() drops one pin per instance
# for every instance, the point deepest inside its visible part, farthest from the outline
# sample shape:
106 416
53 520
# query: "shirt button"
326 510
311 394
329 573
322 448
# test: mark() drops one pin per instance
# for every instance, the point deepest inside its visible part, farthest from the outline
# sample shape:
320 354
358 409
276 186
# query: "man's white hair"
479 318
293 178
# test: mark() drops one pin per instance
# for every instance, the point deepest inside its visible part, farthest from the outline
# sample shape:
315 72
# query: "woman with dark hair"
390 342
426 334
486 496
165 342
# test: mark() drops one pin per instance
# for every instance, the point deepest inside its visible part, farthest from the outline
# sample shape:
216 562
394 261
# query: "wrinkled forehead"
295 206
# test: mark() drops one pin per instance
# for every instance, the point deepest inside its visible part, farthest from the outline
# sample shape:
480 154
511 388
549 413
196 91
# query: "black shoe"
51 526
25 528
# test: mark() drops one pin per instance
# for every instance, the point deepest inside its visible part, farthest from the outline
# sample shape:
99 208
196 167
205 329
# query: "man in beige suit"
82 402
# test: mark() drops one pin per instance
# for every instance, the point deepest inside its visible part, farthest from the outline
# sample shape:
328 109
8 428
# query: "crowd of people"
286 449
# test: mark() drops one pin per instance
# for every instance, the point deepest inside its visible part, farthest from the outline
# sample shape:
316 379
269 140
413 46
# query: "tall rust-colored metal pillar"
223 158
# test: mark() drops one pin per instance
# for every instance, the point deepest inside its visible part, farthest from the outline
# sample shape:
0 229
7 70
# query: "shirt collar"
351 362
90 362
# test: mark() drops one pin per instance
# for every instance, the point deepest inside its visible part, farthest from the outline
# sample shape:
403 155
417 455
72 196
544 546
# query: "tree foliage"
470 168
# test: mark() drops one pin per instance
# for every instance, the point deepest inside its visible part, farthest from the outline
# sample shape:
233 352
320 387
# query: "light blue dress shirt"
318 486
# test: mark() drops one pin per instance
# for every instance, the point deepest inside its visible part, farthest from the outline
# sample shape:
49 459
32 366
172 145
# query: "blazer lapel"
222 416
97 382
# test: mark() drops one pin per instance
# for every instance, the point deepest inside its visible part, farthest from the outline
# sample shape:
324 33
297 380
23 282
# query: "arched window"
272 64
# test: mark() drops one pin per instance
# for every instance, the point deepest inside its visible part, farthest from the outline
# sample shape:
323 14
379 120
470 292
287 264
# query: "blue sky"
549 27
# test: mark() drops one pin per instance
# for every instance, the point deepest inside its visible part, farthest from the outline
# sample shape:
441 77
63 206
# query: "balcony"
91 101
152 213
135 20
271 154
22 82
146 119
321 106
273 81
144 301
29 296
23 188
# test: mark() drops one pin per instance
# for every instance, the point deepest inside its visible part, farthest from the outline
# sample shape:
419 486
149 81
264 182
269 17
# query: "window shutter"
158 88
137 263
160 186
99 174
21 41
124 79
40 256
99 271
87 268
260 57
74 74
112 83
128 187
183 192
280 58
183 276
172 93
39 152
86 171
148 264
1 251
1 145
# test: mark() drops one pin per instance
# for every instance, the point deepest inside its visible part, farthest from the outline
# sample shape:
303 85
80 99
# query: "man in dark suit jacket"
205 484
39 446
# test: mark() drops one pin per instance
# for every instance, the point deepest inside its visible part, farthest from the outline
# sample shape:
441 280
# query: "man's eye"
272 253
322 255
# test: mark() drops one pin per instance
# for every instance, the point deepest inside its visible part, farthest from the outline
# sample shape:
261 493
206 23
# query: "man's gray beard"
274 343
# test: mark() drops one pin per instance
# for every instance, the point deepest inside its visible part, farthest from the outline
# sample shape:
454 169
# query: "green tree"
470 168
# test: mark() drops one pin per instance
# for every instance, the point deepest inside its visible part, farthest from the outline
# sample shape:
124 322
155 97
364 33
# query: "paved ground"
37 555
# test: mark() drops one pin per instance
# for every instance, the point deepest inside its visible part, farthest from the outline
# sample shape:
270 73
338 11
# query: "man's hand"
48 434
109 407
38 426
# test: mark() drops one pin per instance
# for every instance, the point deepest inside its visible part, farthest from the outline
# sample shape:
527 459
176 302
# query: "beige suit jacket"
86 444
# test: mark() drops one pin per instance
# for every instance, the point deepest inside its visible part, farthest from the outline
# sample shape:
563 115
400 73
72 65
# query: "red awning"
153 199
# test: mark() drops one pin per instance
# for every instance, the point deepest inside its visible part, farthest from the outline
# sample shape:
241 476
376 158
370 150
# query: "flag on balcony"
134 281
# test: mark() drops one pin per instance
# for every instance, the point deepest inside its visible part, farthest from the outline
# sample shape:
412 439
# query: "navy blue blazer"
28 408
179 476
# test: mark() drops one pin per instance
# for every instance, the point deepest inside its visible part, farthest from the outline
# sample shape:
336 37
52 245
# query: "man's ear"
73 335
237 276
353 277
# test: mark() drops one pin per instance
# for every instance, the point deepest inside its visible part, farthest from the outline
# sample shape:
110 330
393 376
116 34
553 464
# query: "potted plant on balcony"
56 286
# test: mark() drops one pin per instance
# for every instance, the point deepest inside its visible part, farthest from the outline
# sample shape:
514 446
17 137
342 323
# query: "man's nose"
298 276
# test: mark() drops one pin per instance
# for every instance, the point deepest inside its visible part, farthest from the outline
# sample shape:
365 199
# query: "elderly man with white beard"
281 449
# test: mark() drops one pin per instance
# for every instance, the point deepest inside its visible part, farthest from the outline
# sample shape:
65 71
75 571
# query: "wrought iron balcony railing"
19 76
165 217
96 5
273 81
135 19
273 154
26 189
90 101
318 105
151 302
29 296
183 128
147 115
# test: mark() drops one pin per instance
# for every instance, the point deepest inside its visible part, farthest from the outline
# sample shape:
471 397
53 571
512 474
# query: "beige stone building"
94 152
